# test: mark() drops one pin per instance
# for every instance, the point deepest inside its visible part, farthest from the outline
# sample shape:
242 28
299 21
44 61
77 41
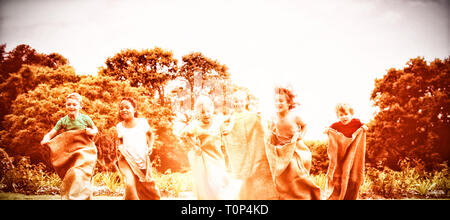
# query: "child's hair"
203 101
133 103
290 96
75 96
343 108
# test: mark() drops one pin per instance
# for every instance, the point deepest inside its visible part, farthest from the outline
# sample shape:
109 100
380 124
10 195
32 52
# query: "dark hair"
133 103
290 96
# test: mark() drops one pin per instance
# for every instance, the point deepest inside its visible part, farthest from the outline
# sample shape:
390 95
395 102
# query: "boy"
346 151
74 120
346 125
73 153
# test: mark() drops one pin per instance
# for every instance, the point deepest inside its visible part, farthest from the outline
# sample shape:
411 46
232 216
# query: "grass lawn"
19 196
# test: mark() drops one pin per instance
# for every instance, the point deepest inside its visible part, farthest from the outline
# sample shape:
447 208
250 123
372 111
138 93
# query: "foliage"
319 156
12 63
408 182
413 120
151 69
172 184
28 178
13 60
198 70
113 180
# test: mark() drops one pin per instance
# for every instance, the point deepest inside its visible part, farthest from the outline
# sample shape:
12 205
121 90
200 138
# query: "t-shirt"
135 140
349 128
79 123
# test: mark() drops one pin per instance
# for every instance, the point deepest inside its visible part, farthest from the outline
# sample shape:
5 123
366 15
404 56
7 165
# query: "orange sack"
73 155
345 173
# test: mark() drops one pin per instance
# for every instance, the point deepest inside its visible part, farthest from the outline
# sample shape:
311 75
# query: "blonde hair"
344 108
75 96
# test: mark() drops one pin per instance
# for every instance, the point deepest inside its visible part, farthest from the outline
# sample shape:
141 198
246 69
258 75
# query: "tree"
151 69
29 118
413 120
16 79
198 69
22 54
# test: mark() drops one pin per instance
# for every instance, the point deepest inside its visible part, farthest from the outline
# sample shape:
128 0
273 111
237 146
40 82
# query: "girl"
206 158
289 158
135 146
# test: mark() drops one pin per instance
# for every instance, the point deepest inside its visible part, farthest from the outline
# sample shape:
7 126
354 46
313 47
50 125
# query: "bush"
319 156
408 182
172 184
28 178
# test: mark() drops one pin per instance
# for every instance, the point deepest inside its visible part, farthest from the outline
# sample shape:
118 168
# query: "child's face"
73 106
205 113
239 103
344 117
126 110
281 103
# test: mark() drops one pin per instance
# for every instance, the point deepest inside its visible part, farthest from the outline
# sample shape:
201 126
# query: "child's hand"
91 131
44 141
365 127
325 131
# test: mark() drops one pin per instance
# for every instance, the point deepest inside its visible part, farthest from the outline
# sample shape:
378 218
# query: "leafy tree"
413 121
151 69
2 52
12 61
15 78
198 69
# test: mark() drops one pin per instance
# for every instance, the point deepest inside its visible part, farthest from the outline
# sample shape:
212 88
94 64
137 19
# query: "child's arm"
302 126
49 136
91 128
364 126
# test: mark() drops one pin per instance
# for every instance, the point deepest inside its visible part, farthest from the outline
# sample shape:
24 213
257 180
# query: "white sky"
328 51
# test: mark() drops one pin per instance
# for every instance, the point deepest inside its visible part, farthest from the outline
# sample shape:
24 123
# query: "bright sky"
328 51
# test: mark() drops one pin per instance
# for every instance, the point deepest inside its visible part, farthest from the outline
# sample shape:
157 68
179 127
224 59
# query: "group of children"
135 140
266 161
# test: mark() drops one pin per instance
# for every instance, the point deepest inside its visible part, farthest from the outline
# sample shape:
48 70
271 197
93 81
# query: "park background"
388 59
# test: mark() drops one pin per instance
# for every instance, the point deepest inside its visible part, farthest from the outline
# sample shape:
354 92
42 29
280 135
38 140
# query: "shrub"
113 180
408 182
172 184
319 156
28 178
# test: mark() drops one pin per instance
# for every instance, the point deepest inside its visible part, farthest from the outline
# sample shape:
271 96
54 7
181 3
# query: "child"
73 153
243 136
346 151
136 141
74 120
346 125
289 157
206 159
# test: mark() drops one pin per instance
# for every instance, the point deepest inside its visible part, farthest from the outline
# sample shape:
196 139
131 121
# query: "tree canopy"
151 69
413 121
15 74
197 70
